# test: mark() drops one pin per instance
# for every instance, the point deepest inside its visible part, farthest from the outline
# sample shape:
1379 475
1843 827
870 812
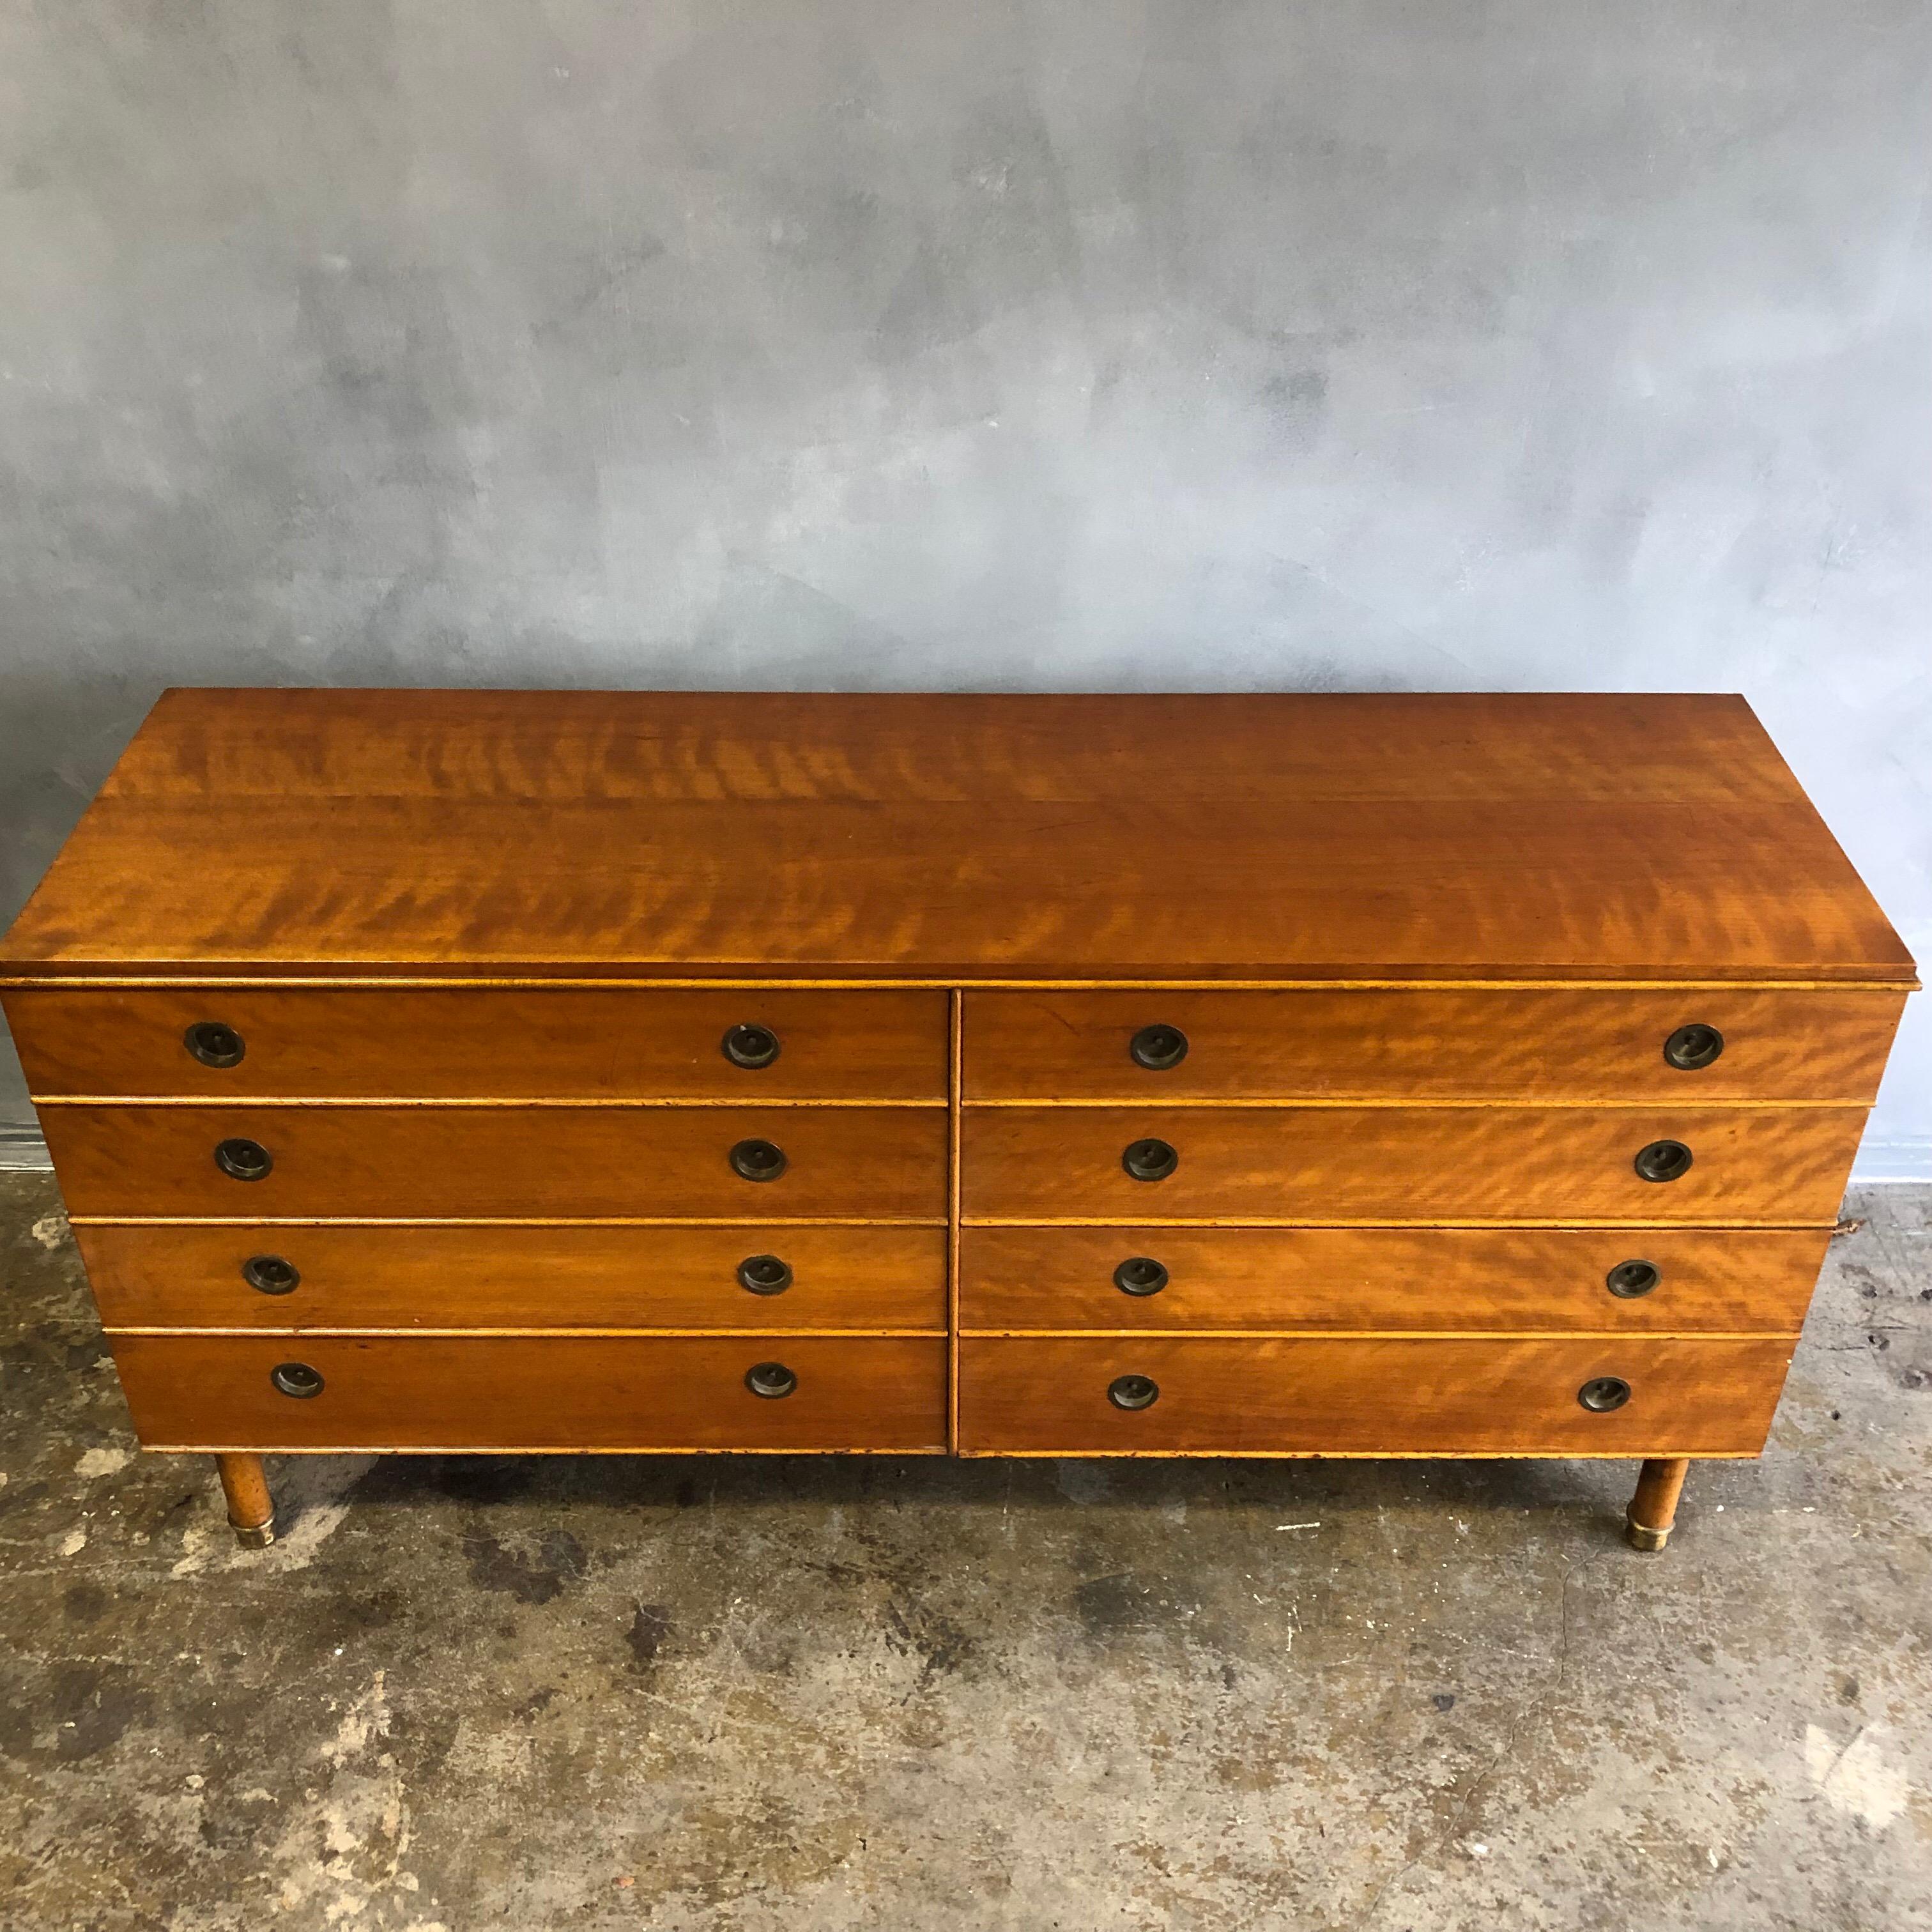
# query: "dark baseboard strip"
21 1146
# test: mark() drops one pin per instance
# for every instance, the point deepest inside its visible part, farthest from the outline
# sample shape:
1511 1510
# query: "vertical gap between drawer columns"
954 1089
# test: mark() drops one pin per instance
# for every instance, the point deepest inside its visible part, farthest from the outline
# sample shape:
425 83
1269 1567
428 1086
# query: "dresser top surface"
801 836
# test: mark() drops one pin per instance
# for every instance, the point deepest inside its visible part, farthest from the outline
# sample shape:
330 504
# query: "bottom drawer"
564 1392
1462 1396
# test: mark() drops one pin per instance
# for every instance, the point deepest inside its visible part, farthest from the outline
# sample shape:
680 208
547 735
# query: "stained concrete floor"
806 1694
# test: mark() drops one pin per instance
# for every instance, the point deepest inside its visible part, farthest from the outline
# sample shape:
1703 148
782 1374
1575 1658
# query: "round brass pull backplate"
764 1274
214 1045
1663 1160
243 1159
1602 1394
750 1046
296 1378
771 1380
1691 1047
1133 1391
1628 1280
271 1274
757 1160
1158 1048
1140 1274
1150 1159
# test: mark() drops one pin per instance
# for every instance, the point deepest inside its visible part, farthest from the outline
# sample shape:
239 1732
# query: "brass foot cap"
259 1537
1641 1536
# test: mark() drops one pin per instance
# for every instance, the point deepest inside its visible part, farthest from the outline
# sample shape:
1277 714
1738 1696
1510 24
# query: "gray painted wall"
1134 344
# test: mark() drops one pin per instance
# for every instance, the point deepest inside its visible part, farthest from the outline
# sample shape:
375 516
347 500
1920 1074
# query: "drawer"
563 1392
1042 1396
1424 1043
1352 1279
462 1043
517 1277
1783 1165
356 1163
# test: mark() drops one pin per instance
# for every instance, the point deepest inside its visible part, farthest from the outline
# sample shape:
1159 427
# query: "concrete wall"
1133 343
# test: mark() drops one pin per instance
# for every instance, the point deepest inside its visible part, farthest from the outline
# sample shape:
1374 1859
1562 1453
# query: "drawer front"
355 1162
563 1392
1425 1044
1374 1397
1784 1165
1403 1279
515 1043
512 1277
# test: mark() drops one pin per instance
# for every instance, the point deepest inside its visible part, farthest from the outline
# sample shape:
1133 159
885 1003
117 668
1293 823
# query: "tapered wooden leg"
1653 1509
251 1510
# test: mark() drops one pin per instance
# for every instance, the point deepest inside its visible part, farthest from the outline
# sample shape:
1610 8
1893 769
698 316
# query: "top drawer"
1428 1043
482 1042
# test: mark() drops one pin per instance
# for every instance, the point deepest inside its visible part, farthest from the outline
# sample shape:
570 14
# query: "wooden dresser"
1391 1075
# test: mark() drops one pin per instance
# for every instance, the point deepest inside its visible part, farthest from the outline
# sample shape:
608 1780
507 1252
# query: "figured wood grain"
558 853
352 1162
932 837
642 1393
1778 1165
1730 1280
1425 1043
472 1043
1439 1397
512 1277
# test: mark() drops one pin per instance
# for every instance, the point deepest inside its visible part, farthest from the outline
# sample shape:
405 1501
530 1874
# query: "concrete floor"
805 1694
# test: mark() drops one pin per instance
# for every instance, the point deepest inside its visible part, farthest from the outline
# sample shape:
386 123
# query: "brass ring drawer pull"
750 1046
1140 1274
757 1160
214 1045
1158 1048
1602 1393
771 1380
296 1378
1691 1047
1133 1391
1150 1159
244 1160
1628 1280
271 1274
764 1274
1664 1160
